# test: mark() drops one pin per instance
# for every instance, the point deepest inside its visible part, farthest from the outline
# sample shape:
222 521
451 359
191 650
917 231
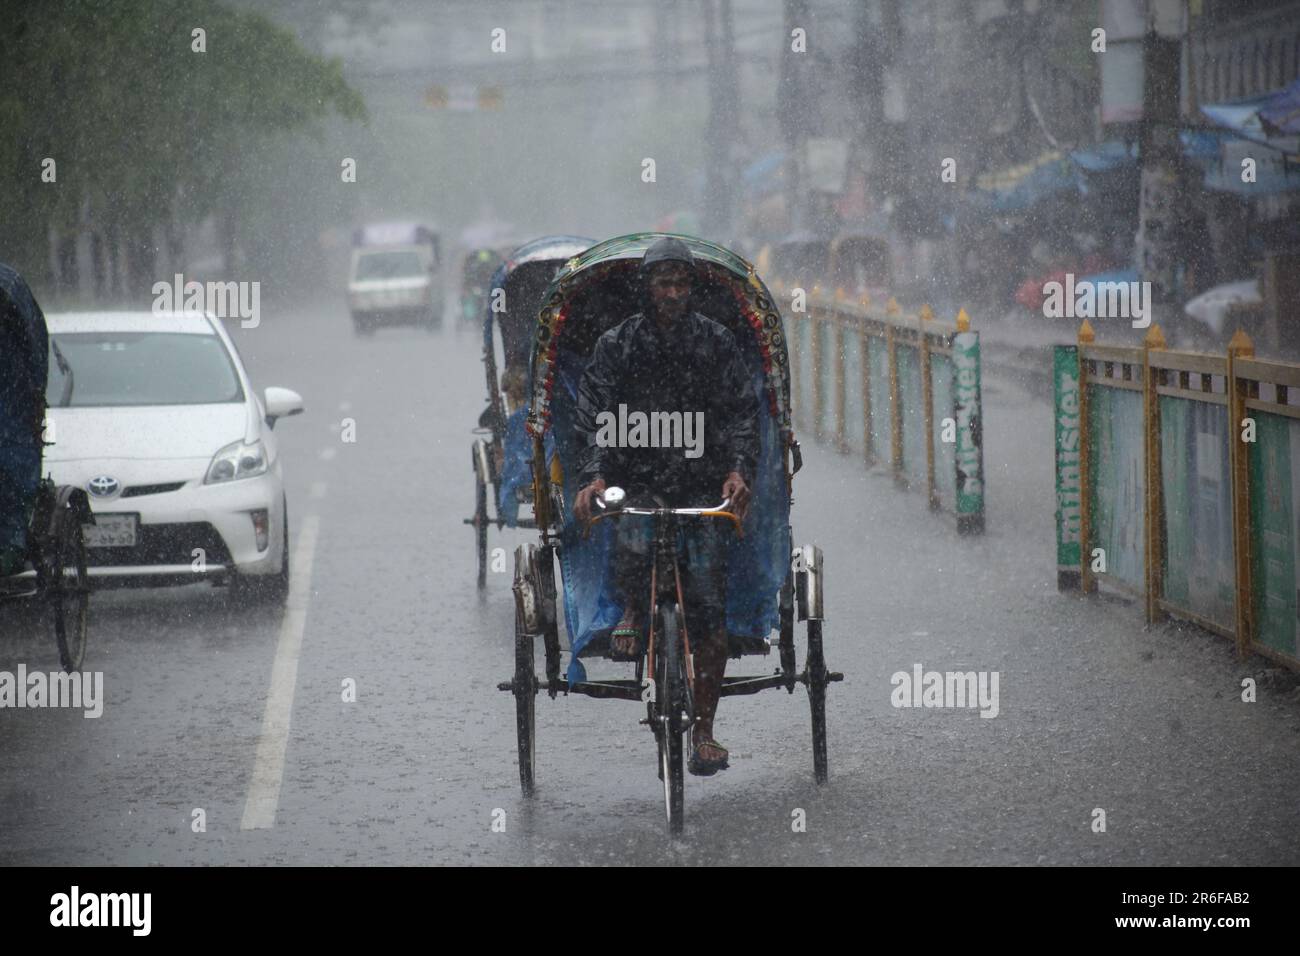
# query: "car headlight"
237 460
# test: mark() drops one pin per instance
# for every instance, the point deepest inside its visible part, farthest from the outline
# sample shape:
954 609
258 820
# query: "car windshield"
389 265
96 369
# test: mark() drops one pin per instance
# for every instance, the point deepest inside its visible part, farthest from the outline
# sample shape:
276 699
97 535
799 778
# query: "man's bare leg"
710 664
632 573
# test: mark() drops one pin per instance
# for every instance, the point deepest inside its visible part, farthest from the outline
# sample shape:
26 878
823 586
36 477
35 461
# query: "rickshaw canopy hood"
548 247
593 293
558 249
526 272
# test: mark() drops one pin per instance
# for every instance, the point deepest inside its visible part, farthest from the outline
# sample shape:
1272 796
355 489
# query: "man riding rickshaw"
669 360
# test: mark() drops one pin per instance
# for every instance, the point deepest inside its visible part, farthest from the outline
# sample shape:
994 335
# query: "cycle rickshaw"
521 279
52 579
768 582
477 269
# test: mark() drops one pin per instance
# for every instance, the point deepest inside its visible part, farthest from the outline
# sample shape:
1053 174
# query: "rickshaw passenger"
24 360
669 358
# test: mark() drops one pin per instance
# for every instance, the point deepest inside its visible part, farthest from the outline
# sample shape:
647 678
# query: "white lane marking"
317 491
327 453
268 767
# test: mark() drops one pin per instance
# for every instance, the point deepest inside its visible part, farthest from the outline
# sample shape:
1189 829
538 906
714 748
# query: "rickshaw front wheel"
525 690
671 698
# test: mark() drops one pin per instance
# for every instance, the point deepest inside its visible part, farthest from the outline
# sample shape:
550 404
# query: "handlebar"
611 502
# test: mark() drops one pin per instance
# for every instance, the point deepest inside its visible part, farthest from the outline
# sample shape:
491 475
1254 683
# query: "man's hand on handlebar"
736 491
582 505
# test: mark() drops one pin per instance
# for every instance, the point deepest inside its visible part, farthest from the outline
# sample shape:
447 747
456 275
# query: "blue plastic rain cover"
757 563
515 472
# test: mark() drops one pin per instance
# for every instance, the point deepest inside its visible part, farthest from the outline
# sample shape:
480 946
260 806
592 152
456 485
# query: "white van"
395 278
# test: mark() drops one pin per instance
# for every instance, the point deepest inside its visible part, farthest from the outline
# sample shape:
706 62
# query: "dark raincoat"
693 367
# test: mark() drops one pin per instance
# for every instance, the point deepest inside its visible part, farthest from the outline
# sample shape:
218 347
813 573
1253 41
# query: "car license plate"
111 531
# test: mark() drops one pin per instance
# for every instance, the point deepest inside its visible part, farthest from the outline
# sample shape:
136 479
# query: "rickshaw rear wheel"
785 645
550 616
817 681
671 697
525 690
481 528
67 587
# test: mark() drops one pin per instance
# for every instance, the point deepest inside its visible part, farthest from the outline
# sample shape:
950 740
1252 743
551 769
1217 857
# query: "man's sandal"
707 768
625 649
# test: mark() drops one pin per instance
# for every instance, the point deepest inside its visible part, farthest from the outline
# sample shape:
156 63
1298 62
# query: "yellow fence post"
1154 523
1240 347
1087 584
895 395
927 403
815 344
895 410
837 339
868 450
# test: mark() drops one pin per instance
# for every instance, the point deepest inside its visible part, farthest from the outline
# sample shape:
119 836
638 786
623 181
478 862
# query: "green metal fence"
896 390
1178 482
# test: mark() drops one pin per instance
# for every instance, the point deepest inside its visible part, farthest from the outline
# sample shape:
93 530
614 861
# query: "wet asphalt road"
1093 711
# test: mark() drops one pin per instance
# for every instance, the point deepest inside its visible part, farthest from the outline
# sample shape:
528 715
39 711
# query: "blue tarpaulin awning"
1266 128
1019 187
1246 136
1242 117
1280 116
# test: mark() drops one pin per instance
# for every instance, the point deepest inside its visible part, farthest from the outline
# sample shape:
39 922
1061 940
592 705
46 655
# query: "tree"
142 127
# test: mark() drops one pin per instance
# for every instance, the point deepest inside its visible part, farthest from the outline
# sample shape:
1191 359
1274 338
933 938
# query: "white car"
153 414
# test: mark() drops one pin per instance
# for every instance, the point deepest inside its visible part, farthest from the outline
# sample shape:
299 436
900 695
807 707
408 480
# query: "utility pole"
1162 210
891 128
724 115
793 106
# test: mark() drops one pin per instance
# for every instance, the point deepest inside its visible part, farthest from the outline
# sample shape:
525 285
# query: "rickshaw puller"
670 358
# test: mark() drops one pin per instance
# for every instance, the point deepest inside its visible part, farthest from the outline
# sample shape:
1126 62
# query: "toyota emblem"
104 486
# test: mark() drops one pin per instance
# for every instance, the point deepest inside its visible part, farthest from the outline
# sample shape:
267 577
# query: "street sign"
463 99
